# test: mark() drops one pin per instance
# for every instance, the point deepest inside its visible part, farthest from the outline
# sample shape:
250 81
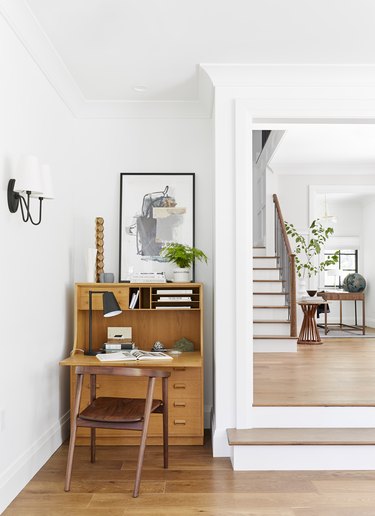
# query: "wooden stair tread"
259 247
271 322
266 268
269 281
273 337
301 436
270 293
271 307
264 257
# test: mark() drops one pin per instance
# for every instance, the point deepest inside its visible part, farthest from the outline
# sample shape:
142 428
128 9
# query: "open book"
134 354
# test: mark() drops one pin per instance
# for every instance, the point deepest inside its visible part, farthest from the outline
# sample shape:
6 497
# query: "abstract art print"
155 209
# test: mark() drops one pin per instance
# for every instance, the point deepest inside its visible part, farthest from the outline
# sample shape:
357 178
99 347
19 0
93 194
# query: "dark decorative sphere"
354 283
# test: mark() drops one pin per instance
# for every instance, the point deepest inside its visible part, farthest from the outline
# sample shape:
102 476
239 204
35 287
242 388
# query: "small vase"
181 275
301 288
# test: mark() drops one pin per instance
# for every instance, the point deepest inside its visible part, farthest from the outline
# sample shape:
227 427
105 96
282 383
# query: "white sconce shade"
29 177
47 187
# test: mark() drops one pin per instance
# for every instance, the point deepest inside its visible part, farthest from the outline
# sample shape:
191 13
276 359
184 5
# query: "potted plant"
183 256
307 248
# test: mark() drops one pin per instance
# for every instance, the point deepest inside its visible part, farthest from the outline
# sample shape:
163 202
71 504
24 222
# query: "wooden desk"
309 333
184 397
157 316
335 295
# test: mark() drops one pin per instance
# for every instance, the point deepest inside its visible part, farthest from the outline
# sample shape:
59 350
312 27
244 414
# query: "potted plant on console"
307 248
183 256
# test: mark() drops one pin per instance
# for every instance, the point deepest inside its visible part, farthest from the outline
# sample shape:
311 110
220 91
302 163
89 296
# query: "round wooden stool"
309 333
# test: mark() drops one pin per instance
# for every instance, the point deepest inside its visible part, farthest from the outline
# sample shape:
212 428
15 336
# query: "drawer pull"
179 385
179 369
179 422
179 404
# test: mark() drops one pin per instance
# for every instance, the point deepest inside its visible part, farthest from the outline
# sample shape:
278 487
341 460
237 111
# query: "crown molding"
290 75
20 18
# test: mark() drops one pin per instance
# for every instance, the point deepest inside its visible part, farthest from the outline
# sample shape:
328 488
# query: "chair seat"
117 410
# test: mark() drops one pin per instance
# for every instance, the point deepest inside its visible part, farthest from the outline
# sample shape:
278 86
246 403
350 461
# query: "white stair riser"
313 417
264 262
265 328
269 300
270 274
259 251
267 286
302 457
270 314
275 345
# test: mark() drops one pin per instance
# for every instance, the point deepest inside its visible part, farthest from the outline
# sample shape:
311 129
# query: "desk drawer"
182 408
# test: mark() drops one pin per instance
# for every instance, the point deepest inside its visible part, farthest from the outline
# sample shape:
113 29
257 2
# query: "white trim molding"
22 470
21 19
246 96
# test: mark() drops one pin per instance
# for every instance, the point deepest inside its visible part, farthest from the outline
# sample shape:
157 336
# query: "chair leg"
69 464
142 446
93 444
73 433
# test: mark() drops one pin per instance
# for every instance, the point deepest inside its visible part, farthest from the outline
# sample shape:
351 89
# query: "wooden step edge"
301 436
269 281
265 257
266 268
271 322
259 247
270 293
260 337
270 306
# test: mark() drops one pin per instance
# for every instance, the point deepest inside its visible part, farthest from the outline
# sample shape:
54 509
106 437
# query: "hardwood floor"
336 373
195 483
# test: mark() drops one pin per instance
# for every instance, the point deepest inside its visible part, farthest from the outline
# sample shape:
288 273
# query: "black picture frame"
144 227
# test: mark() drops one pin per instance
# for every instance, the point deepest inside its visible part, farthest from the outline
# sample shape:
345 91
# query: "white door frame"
245 97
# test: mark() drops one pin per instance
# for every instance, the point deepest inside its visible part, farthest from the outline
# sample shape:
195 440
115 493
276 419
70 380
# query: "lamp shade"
110 305
29 177
47 182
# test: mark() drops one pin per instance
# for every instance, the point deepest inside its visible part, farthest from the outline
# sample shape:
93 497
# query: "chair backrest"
122 371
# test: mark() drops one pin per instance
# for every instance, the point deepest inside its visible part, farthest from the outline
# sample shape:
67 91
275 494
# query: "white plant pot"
301 292
181 275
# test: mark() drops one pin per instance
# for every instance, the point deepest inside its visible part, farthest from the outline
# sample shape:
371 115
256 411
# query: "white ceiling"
112 46
341 148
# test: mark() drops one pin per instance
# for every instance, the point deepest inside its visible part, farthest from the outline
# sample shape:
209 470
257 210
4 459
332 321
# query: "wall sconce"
111 308
33 181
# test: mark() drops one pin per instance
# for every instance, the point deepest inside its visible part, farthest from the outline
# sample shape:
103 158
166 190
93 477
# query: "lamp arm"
26 205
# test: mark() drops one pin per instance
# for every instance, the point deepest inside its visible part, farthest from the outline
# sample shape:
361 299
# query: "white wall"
37 272
109 147
368 259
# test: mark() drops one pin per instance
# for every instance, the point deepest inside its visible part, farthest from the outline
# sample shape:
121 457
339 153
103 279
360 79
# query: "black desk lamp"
111 308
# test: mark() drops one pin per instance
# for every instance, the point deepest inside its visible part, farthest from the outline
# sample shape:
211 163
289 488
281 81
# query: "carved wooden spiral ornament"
99 246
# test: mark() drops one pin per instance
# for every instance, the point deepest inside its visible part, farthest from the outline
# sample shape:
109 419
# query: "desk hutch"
152 319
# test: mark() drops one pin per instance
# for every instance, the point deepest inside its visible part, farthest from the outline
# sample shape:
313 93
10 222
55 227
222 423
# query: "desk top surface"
187 359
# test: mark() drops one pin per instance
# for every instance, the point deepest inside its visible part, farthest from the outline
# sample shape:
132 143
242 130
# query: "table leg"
325 320
340 314
363 317
355 312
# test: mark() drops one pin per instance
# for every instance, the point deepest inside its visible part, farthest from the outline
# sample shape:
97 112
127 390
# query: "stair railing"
287 264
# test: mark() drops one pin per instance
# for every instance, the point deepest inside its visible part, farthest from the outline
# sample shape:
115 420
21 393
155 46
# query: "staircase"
270 311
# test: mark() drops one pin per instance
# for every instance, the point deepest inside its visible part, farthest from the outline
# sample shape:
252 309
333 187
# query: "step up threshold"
301 436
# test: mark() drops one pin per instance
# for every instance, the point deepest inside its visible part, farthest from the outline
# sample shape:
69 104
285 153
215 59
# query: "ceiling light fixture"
140 89
327 219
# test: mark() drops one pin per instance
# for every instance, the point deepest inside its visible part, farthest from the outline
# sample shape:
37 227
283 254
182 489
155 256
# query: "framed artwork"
154 209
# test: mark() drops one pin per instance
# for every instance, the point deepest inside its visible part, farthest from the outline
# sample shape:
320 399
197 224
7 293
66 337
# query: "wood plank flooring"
340 372
195 483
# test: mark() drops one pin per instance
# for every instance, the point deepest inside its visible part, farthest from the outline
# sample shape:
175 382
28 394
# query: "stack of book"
134 299
111 347
148 277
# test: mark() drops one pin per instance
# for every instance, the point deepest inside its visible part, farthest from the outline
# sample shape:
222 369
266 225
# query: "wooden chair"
118 413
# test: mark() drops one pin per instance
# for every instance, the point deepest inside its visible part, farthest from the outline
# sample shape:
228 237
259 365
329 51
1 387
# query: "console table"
344 296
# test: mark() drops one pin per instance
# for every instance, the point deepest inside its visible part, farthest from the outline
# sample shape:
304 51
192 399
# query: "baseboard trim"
294 458
21 471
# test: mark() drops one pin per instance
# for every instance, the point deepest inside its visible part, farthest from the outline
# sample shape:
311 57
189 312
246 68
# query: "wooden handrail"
292 269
